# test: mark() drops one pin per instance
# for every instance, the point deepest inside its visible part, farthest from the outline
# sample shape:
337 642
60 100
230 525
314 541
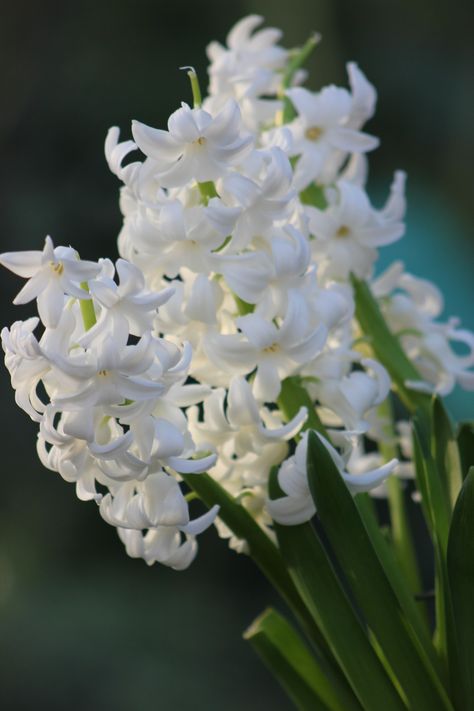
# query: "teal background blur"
81 625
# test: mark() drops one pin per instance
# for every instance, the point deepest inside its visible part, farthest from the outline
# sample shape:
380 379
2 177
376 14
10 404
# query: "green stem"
243 307
299 58
207 190
401 533
87 309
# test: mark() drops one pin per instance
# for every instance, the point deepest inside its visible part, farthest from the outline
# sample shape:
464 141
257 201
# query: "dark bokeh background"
81 625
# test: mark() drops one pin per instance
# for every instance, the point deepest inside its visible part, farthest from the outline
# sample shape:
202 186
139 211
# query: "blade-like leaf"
292 397
291 662
465 440
386 345
436 507
400 529
261 548
266 555
446 452
396 576
435 500
461 585
372 590
321 590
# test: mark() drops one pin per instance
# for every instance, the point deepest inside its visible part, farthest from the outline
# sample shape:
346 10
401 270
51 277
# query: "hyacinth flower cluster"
104 389
245 351
244 223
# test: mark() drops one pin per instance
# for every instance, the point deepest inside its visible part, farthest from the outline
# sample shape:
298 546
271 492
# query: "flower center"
313 133
201 140
343 231
272 349
103 373
57 267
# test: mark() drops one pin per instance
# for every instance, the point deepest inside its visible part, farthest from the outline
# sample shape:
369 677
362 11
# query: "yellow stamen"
313 133
272 349
343 231
57 267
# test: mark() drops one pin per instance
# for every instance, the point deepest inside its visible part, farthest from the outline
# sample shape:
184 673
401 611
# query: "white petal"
198 525
291 511
51 303
25 264
155 143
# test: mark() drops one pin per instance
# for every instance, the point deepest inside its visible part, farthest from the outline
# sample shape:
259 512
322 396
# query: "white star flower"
348 231
275 352
298 505
51 274
197 146
320 128
126 308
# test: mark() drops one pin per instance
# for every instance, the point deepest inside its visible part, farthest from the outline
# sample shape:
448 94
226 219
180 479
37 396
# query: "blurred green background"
81 625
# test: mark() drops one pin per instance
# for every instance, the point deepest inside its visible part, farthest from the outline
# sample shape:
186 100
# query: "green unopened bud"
195 88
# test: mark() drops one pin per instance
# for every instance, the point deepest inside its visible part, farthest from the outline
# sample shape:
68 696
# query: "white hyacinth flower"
275 352
196 146
126 308
298 505
321 127
348 232
51 274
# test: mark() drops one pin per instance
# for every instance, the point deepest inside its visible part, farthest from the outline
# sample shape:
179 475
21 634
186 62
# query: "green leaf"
314 195
372 590
435 500
293 396
397 578
436 508
267 556
261 548
321 590
386 346
461 585
401 533
291 662
465 438
446 452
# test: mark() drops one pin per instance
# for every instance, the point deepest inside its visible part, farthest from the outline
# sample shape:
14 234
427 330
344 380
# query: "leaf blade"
369 583
460 565
320 588
291 662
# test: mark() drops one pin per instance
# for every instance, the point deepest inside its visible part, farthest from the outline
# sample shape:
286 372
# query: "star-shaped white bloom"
352 395
262 200
248 70
51 274
349 230
275 352
321 127
197 146
165 545
127 307
108 374
412 307
298 505
244 422
157 501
